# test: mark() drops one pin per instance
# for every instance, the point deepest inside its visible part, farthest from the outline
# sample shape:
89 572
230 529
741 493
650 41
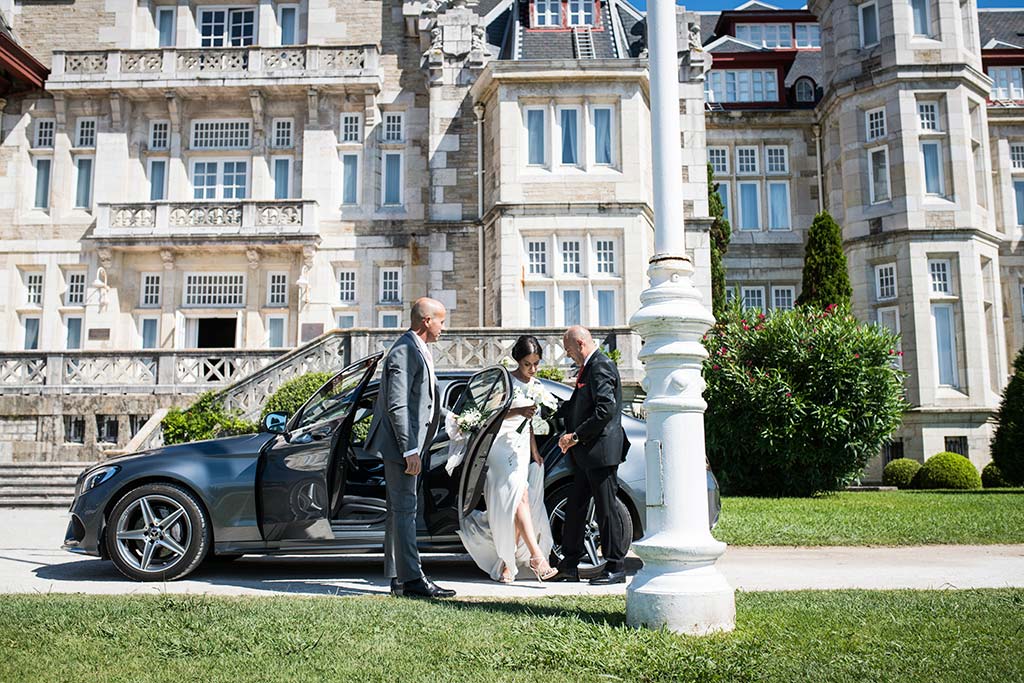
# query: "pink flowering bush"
798 401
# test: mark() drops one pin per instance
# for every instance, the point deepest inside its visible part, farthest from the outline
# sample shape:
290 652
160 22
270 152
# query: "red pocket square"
580 385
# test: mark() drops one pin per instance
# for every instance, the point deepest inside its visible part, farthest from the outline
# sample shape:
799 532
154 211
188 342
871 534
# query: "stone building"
197 175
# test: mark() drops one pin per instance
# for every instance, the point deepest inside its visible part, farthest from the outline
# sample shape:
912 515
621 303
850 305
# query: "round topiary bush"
798 401
992 477
900 472
290 396
948 471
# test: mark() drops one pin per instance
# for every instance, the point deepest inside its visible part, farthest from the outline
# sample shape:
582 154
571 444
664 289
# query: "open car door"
300 469
490 392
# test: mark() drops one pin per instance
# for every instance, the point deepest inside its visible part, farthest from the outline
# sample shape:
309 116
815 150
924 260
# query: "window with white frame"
604 136
391 190
220 179
288 22
746 160
889 318
752 297
1007 82
349 178
876 127
928 115
878 175
743 85
85 132
943 317
868 15
44 133
776 160
778 205
718 157
34 288
347 286
150 290
730 295
783 298
284 133
572 312
808 35
605 251
606 307
749 205
159 135
157 179
1017 156
538 302
277 289
724 195
166 18
346 321
224 27
1018 193
922 21
215 289
149 329
548 13
221 134
581 12
568 120
42 166
83 182
75 293
31 324
571 257
73 332
938 269
276 331
766 35
537 256
390 285
885 281
394 126
931 159
282 173
805 90
535 136
351 128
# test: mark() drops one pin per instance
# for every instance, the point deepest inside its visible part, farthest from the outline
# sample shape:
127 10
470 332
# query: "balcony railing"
248 218
163 67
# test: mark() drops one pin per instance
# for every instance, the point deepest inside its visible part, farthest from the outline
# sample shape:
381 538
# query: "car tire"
555 503
157 532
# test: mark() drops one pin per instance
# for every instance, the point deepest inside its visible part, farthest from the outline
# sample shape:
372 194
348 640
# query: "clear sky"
701 5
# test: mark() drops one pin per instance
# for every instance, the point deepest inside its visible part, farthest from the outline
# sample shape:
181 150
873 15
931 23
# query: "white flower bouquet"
539 397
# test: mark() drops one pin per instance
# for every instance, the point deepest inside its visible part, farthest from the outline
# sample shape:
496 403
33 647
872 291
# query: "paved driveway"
31 561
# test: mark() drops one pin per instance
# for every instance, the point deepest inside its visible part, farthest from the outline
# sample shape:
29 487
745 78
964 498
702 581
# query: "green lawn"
876 518
854 636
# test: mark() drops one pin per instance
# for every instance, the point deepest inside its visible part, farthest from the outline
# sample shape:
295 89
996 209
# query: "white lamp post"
679 587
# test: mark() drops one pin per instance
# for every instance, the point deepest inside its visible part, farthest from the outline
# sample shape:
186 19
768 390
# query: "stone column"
679 586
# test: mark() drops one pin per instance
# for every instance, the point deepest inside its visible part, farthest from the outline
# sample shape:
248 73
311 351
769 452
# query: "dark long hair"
524 346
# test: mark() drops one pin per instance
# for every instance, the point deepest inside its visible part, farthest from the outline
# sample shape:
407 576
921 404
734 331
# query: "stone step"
34 501
8 466
17 491
48 480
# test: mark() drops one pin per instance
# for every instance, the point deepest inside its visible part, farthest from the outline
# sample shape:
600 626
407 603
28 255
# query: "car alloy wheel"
592 560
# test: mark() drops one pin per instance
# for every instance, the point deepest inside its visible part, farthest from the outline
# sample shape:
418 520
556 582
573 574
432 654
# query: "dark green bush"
290 396
948 471
825 280
720 235
1008 442
798 401
900 472
992 477
207 418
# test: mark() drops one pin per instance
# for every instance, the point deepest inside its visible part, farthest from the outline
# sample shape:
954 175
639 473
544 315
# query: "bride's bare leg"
524 525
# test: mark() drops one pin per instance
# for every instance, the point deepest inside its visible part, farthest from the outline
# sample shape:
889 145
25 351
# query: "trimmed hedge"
948 471
900 473
992 477
290 396
207 418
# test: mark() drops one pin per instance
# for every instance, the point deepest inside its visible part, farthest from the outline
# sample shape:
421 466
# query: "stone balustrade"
248 218
169 67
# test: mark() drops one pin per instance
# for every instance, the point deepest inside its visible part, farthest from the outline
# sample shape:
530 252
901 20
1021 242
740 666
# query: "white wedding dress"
490 535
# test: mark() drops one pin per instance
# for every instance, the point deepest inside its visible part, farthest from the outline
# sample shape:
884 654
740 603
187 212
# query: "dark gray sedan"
305 485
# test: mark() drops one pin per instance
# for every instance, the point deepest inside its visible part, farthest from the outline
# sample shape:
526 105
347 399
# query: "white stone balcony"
246 219
162 69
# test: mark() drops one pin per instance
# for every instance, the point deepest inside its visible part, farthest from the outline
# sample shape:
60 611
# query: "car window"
455 391
333 400
485 392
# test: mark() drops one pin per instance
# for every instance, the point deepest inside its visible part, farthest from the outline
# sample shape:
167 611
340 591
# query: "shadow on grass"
538 609
971 492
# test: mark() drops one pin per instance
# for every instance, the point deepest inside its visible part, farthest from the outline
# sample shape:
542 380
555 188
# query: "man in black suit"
596 444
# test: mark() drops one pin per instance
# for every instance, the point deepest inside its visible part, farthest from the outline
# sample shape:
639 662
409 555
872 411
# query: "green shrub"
290 396
825 280
798 401
207 418
614 355
551 372
1008 442
361 429
948 471
992 477
720 235
900 472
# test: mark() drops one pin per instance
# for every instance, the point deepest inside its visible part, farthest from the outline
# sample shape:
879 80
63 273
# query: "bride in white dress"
513 533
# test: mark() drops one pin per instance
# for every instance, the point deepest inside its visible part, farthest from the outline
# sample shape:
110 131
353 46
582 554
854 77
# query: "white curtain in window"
157 179
538 309
42 184
932 170
350 164
535 132
750 210
149 333
919 8
83 193
880 175
603 136
778 206
282 171
571 303
31 334
392 179
74 333
606 308
945 343
570 137
1018 190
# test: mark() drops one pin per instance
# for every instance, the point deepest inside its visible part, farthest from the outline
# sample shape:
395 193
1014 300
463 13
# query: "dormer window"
564 13
547 13
805 90
581 12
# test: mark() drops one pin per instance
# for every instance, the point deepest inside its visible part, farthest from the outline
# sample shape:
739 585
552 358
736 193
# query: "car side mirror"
276 423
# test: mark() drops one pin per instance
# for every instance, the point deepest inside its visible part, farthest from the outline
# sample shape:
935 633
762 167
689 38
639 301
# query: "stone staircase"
39 484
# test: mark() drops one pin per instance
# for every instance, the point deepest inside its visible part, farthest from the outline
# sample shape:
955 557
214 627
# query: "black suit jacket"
594 413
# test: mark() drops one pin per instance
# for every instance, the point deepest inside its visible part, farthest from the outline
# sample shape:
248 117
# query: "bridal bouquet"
544 401
460 427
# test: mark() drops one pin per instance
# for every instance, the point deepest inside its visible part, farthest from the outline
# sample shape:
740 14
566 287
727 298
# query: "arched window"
805 90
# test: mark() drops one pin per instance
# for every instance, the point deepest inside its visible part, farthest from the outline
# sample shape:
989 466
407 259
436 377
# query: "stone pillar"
679 586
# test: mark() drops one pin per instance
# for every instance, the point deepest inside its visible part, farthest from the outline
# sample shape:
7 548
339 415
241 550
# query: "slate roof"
559 44
1003 25
807 63
732 45
707 26
634 31
485 6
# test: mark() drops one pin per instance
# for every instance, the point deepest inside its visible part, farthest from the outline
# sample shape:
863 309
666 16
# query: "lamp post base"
691 598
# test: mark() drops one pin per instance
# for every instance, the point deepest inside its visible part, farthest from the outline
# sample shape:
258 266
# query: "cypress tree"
825 278
1007 453
720 234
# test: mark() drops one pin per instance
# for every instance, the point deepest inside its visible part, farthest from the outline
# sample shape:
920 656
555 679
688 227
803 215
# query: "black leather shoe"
425 588
566 575
397 588
607 578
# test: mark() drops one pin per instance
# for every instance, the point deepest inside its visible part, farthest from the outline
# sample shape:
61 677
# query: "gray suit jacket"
407 411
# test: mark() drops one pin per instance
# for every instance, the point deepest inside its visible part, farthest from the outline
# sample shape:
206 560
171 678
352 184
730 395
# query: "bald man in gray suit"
405 420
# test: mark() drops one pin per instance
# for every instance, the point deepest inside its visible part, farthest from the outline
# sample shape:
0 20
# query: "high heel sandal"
506 577
537 566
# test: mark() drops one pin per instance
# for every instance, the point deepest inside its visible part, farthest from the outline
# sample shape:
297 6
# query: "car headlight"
97 477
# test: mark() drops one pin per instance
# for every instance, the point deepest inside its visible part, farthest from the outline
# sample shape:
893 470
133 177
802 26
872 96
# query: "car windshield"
334 399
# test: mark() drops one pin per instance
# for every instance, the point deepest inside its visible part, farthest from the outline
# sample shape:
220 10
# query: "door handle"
320 433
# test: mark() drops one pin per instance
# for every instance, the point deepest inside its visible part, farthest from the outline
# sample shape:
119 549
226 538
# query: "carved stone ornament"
167 256
253 256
